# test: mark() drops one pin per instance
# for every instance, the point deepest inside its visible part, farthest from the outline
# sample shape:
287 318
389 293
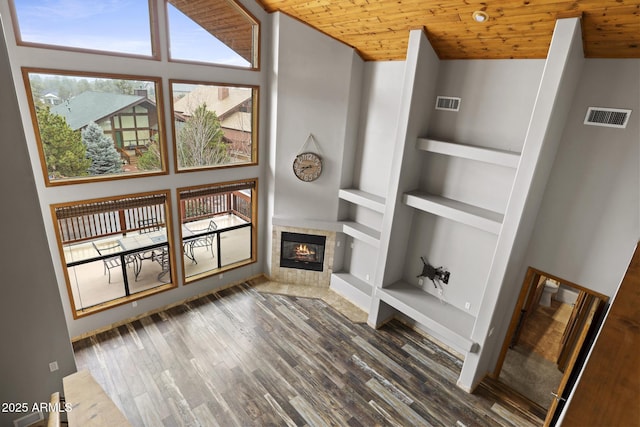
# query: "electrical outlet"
366 277
53 366
221 276
491 331
134 304
420 281
467 305
338 243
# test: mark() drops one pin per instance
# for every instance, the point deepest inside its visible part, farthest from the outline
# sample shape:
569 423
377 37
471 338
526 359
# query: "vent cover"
607 117
448 103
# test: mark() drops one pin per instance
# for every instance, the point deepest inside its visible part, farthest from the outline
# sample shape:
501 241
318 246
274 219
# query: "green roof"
93 106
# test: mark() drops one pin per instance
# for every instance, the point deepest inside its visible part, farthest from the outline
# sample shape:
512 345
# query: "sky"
117 26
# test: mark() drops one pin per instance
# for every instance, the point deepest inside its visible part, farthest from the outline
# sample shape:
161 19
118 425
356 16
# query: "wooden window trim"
256 39
148 196
255 122
230 186
154 38
74 73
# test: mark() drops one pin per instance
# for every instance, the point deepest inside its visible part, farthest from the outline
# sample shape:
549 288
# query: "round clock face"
307 166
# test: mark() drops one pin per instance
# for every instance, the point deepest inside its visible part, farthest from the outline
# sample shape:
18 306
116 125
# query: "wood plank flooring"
242 358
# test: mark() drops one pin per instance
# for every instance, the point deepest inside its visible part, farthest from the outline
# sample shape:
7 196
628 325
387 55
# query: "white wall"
381 97
497 100
587 226
32 323
43 58
318 84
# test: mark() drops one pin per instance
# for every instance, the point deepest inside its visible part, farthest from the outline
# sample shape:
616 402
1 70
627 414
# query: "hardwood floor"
244 358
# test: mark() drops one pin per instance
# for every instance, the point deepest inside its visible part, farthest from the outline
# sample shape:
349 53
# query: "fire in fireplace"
302 251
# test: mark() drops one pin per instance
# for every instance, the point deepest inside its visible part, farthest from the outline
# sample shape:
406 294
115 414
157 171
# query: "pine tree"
200 141
105 159
64 152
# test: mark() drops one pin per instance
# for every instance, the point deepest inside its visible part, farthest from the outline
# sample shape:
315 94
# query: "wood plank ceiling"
378 29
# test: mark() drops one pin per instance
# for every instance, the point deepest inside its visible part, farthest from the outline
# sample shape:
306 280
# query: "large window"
121 26
214 31
104 134
90 126
213 125
217 227
220 32
115 250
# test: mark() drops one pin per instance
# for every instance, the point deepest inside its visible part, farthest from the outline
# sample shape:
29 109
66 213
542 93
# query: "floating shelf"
362 232
451 324
313 224
472 152
474 216
355 290
362 198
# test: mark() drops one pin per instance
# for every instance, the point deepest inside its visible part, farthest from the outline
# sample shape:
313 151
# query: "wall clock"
307 166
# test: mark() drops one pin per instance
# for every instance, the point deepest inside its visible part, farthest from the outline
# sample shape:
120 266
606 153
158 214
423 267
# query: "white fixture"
448 103
607 117
53 366
550 289
480 16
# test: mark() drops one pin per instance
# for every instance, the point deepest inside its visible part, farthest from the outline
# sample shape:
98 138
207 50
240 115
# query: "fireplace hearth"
302 251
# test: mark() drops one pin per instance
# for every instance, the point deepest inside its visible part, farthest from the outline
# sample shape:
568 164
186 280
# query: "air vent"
607 117
448 103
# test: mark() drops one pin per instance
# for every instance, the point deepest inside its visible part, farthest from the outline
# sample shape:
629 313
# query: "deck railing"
91 226
207 206
103 224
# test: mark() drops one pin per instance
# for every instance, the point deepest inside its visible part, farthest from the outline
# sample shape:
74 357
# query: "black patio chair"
161 256
114 261
205 241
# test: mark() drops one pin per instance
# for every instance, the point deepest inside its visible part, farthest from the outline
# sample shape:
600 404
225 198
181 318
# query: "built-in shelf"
362 232
362 198
451 324
312 224
454 210
355 290
472 152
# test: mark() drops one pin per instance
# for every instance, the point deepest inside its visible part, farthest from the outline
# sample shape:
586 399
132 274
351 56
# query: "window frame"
256 40
253 225
154 38
97 178
172 284
255 111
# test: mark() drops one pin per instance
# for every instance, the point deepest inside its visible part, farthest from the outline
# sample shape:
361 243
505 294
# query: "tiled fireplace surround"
302 277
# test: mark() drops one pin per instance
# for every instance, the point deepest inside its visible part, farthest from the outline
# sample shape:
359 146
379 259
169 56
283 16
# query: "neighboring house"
130 120
232 105
50 97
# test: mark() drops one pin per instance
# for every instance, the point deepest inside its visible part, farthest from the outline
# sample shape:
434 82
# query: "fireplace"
302 251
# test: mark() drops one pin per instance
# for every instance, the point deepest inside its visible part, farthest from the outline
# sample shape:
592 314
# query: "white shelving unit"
471 152
362 232
362 198
454 210
453 325
465 213
353 288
